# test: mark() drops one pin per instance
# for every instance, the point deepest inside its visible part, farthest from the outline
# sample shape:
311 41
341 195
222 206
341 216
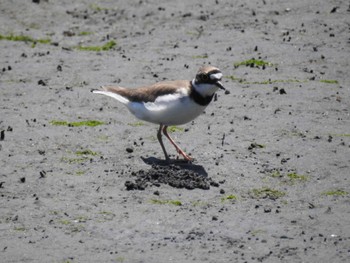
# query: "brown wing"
149 93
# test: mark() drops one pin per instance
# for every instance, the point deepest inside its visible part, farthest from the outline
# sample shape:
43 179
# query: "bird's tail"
111 92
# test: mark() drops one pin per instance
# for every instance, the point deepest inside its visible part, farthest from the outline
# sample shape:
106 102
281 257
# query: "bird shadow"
182 164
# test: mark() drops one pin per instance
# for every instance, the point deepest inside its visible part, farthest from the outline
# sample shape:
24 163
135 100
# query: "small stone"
334 9
42 174
2 135
129 150
283 91
22 179
41 82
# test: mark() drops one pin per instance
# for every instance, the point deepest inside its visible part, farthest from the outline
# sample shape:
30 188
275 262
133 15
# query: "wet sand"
270 182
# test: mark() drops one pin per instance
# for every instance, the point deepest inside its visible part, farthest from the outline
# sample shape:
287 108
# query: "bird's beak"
219 84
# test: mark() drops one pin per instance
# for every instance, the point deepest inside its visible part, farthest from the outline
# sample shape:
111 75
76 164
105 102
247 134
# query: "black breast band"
198 98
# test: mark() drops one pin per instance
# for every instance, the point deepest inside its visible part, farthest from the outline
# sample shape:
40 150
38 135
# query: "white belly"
171 111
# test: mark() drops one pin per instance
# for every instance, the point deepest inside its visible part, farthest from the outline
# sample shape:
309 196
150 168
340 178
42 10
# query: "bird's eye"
205 77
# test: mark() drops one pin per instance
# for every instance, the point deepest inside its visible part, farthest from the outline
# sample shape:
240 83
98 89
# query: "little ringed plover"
169 102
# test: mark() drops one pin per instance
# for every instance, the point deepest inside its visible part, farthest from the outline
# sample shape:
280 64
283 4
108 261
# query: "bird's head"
208 80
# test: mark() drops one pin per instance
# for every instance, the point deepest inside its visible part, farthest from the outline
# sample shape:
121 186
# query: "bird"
169 103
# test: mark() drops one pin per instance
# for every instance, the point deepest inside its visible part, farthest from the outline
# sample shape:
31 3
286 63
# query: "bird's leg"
159 136
178 149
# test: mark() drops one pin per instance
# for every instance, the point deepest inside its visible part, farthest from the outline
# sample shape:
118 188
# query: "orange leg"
178 149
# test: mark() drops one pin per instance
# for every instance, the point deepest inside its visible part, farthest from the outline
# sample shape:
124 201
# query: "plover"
169 102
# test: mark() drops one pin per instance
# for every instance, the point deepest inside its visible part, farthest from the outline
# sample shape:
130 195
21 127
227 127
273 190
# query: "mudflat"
82 180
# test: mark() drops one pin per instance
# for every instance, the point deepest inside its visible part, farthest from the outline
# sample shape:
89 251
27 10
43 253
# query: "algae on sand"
89 123
266 192
164 202
253 63
335 193
108 46
24 39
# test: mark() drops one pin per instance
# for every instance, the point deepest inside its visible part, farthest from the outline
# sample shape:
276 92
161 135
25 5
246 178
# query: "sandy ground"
274 151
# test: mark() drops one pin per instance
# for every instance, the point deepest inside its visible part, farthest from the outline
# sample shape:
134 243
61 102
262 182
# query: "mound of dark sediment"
172 175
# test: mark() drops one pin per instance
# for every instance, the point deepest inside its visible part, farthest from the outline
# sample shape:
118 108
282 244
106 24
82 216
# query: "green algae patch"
97 8
229 197
108 46
24 38
341 135
200 56
64 222
335 193
85 33
175 129
297 177
86 152
166 202
136 124
19 229
89 123
265 192
253 63
80 172
329 81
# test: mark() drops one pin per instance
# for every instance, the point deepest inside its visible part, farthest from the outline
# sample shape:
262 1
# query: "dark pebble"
215 184
129 150
284 237
42 174
2 135
22 179
283 91
41 82
334 9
